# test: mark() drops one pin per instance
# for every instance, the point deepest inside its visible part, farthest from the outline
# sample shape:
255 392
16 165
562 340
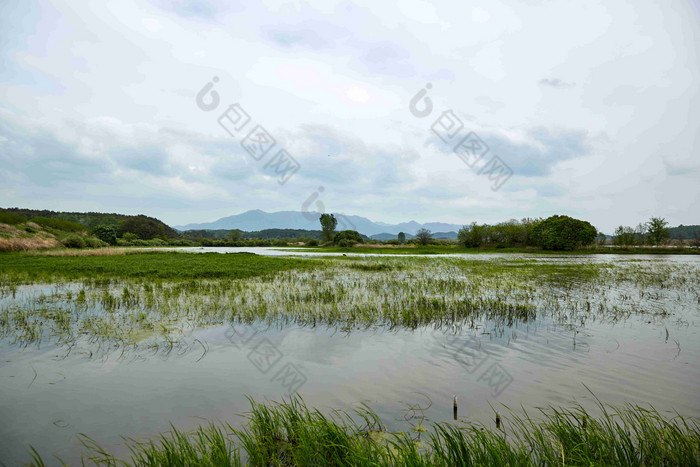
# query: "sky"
482 111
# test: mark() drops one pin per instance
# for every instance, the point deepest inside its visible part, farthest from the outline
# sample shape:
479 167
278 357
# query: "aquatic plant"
289 433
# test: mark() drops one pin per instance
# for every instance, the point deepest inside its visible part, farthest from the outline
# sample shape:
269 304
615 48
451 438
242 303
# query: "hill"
685 232
144 227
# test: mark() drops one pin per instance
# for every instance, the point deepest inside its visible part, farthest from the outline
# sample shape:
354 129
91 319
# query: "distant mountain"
259 220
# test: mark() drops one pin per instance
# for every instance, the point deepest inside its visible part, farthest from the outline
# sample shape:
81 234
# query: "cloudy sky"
593 106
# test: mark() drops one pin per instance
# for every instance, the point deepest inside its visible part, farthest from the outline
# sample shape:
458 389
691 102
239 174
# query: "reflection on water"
50 395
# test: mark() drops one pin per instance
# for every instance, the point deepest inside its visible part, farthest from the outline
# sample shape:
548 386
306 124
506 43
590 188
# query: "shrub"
107 233
392 242
350 237
312 242
74 241
92 242
563 233
156 242
11 218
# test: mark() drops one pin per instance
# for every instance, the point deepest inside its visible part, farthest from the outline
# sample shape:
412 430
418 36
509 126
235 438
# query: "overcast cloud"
595 106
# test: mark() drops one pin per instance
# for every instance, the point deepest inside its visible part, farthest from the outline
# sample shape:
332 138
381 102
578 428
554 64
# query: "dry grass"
25 244
13 239
90 252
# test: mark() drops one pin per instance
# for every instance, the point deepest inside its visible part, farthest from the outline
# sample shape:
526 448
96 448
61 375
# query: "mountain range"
261 220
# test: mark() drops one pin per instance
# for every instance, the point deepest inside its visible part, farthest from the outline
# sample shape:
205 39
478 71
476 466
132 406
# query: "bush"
11 218
563 233
74 241
59 224
92 242
392 242
155 242
350 237
107 233
312 242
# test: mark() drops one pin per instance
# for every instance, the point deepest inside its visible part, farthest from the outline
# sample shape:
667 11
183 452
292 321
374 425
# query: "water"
49 395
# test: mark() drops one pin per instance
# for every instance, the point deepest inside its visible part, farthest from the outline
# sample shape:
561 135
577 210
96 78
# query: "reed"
289 433
127 300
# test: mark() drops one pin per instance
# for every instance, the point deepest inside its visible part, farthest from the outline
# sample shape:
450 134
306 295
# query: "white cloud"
593 104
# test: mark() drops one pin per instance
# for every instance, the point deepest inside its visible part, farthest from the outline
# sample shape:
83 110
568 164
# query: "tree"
564 233
658 230
696 239
424 236
347 238
402 238
235 235
624 236
107 233
328 223
471 236
640 233
601 238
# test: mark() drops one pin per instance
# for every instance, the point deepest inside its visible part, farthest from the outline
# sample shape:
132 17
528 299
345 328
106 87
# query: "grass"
150 264
456 249
151 300
291 434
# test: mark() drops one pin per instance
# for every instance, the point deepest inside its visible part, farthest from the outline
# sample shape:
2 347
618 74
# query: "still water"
49 395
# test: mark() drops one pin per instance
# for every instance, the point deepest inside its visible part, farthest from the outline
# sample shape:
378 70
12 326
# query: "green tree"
145 227
424 236
658 230
402 238
106 233
234 235
624 236
564 233
471 236
601 238
328 224
347 238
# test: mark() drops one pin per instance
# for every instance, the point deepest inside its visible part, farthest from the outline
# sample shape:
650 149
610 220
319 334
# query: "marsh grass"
153 301
291 434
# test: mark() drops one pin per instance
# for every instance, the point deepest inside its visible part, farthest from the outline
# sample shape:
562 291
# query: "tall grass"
291 434
126 299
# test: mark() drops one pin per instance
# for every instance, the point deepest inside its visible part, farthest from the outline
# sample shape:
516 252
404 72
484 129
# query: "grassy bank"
292 434
443 249
146 264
